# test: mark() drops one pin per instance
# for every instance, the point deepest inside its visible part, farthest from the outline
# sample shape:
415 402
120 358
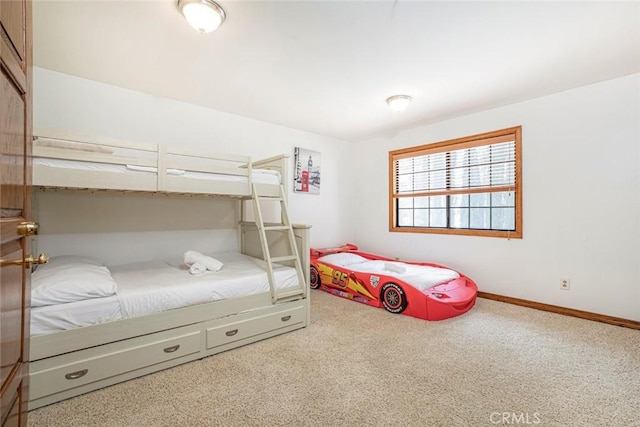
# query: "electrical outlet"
565 284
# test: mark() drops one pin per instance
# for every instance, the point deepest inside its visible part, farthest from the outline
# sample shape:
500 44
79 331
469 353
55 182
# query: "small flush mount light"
203 15
398 102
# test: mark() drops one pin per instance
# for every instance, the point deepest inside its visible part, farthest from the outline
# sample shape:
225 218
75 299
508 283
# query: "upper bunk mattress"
155 286
259 176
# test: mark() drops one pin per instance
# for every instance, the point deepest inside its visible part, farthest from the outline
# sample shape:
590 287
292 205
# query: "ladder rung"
275 227
288 293
283 258
283 225
270 198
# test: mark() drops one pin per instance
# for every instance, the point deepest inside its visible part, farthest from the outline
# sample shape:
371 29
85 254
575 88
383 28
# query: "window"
468 186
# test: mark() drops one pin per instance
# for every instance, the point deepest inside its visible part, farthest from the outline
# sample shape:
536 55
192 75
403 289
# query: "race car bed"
423 290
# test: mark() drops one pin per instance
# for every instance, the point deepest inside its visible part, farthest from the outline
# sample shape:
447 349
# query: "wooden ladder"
285 227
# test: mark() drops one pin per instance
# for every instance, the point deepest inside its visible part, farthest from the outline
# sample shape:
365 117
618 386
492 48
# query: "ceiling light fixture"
398 102
203 15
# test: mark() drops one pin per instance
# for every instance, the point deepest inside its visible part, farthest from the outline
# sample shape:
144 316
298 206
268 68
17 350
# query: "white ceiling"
328 66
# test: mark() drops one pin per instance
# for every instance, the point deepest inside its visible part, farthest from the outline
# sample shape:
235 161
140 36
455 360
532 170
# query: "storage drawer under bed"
67 371
76 372
244 329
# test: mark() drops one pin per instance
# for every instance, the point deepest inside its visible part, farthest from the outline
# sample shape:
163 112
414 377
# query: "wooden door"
15 207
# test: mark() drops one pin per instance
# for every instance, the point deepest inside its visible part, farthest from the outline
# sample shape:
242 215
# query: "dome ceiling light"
399 102
203 15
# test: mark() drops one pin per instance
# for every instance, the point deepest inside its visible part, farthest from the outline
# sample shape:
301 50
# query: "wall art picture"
306 176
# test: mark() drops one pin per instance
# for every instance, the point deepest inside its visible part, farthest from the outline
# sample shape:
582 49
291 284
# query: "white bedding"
155 286
421 277
68 279
60 317
259 176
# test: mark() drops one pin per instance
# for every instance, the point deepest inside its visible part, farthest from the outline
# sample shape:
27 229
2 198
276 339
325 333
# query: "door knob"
28 262
28 228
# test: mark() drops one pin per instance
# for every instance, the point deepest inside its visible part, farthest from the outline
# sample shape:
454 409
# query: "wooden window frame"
482 139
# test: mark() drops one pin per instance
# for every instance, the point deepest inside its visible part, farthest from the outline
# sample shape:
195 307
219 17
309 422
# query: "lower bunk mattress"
138 289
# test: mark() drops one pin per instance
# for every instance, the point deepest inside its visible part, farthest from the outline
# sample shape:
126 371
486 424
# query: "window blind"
476 169
470 185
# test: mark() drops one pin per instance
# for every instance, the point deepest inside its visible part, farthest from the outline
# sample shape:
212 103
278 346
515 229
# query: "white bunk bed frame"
69 363
146 155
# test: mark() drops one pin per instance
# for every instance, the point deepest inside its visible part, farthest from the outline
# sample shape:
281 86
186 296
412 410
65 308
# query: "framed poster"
306 176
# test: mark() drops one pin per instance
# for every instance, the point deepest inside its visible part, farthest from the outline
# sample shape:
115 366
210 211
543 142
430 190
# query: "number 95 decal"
340 278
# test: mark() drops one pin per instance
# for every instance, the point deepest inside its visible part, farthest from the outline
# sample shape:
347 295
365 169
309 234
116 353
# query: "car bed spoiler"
325 251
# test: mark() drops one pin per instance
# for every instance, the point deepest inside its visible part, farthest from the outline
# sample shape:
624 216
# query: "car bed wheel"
314 278
393 298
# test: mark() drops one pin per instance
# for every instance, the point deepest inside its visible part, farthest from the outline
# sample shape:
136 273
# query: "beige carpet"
355 365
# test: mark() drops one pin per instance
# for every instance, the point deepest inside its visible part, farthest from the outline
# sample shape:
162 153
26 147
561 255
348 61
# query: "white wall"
66 102
587 139
581 213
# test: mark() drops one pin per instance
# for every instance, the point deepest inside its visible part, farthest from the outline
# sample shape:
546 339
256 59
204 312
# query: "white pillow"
68 279
396 267
343 259
63 261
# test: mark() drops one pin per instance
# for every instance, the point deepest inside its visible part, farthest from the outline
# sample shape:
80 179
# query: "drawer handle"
171 349
76 375
285 318
231 332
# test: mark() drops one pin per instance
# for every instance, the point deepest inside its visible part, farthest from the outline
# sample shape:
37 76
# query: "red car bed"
424 290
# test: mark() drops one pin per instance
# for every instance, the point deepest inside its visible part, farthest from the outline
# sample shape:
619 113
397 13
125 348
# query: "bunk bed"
71 362
64 160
